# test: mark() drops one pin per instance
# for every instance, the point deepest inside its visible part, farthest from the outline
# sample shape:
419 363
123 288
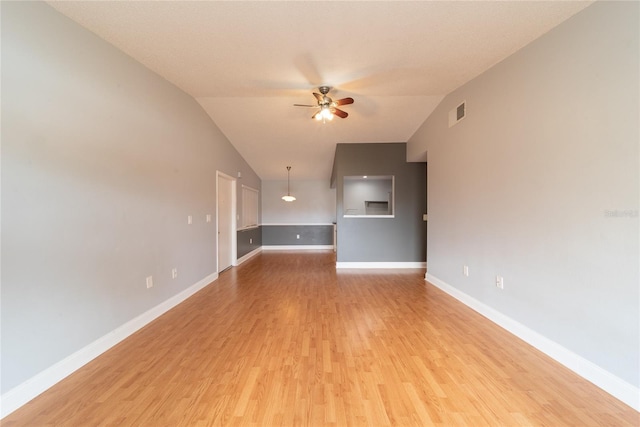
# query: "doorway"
226 217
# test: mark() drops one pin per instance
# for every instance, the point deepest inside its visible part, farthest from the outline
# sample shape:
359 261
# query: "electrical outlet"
174 273
250 241
297 236
208 217
189 220
500 282
465 270
149 282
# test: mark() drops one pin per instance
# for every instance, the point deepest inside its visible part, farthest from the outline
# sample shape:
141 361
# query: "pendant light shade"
288 197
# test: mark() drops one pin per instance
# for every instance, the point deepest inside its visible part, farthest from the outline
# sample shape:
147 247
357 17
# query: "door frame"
233 222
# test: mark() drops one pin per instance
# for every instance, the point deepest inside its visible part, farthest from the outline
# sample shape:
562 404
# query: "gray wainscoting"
287 235
249 240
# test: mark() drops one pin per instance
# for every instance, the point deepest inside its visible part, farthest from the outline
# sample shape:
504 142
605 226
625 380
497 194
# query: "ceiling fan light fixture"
288 197
327 106
326 113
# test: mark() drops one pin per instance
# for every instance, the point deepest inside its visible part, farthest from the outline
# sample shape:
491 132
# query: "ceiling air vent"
457 113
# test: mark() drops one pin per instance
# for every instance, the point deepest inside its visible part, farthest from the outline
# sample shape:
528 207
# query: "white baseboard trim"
296 247
23 393
380 265
615 386
248 256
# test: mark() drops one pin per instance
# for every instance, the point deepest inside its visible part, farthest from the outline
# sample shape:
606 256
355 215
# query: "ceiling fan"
328 107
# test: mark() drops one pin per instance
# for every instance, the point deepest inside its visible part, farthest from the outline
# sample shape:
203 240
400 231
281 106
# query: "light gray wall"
307 216
398 239
540 184
102 162
315 202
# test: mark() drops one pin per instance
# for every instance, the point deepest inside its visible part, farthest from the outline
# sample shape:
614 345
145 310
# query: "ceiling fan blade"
316 115
340 113
305 105
318 96
344 101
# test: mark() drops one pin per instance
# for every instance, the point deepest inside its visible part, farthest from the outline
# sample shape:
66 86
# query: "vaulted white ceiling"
248 62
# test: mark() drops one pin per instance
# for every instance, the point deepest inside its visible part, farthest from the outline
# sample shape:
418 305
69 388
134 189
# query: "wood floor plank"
286 340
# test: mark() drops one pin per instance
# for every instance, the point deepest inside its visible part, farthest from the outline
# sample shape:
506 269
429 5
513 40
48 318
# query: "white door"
225 222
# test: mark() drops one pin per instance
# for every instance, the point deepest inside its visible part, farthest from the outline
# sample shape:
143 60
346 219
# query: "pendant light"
288 197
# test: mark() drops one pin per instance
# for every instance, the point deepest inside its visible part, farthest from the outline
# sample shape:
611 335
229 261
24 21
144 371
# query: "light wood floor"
285 340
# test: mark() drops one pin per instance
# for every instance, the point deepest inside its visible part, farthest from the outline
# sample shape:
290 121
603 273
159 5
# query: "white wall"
102 162
315 202
540 184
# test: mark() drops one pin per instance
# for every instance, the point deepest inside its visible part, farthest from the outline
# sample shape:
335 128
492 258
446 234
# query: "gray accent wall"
102 162
398 239
287 235
248 240
540 184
